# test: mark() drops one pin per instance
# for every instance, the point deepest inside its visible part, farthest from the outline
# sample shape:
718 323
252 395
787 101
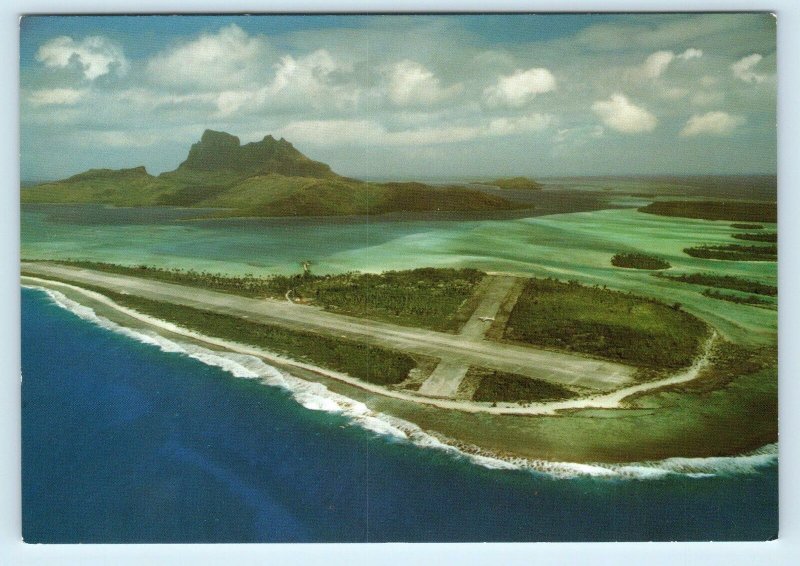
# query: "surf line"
612 400
317 397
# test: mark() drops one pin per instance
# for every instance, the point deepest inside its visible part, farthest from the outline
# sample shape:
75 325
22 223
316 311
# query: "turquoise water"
575 245
124 442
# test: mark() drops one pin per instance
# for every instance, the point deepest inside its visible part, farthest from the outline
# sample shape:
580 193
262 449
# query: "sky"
406 97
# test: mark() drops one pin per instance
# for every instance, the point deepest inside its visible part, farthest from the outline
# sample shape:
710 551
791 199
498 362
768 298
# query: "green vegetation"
715 210
764 237
747 226
497 386
734 252
275 286
638 261
740 299
428 297
266 178
608 324
729 362
724 282
370 363
518 183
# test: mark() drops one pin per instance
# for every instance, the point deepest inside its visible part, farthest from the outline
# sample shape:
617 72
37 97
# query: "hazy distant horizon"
477 178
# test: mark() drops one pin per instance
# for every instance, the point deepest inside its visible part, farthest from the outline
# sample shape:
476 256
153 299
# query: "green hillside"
266 178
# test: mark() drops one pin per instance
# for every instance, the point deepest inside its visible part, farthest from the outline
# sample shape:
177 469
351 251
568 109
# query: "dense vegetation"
639 261
604 323
740 299
518 183
266 178
370 363
497 386
715 210
763 237
724 282
729 361
747 226
734 252
428 297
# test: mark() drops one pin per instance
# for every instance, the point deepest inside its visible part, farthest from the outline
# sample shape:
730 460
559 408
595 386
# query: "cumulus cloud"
743 69
299 82
96 55
227 57
518 88
711 123
691 53
307 76
656 63
619 113
411 83
56 97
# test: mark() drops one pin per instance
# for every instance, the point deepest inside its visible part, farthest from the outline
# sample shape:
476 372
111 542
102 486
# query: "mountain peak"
222 151
219 138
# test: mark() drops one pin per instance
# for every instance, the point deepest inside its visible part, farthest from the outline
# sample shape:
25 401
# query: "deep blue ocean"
123 442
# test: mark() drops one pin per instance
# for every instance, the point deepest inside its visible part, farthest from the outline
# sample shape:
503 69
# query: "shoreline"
314 395
610 400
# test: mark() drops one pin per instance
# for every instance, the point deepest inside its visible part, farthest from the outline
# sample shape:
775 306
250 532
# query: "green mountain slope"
266 178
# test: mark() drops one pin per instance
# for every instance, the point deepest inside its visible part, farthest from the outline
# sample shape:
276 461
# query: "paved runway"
554 367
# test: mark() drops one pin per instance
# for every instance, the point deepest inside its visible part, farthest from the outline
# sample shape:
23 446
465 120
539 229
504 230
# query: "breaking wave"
317 397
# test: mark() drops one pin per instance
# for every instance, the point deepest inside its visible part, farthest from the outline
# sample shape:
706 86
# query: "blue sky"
406 96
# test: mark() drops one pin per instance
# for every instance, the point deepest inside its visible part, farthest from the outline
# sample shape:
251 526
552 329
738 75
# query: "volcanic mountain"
266 178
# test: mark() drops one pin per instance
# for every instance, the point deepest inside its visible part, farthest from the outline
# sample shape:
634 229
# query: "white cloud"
309 75
657 63
622 115
519 87
521 124
371 132
743 69
228 57
230 101
410 83
691 53
332 132
56 96
96 55
712 123
299 82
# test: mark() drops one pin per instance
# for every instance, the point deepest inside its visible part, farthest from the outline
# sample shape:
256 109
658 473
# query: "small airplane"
486 318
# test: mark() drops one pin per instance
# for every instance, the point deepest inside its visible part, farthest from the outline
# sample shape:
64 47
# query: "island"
500 365
259 179
625 352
